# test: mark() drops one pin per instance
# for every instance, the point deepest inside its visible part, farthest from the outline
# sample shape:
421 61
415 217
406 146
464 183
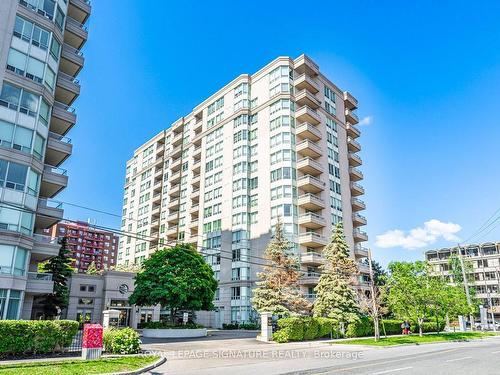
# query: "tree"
335 295
277 291
92 269
410 294
60 268
178 279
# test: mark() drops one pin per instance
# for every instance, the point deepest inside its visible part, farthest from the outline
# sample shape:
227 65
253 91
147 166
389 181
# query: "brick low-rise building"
88 244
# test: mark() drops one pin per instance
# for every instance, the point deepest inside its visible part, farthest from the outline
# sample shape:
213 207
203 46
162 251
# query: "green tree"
92 269
335 293
410 291
178 279
277 291
60 268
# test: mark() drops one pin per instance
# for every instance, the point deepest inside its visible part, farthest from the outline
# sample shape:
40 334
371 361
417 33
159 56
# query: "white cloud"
367 120
419 237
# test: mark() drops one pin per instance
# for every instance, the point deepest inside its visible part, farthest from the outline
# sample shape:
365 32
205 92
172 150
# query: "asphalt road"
236 355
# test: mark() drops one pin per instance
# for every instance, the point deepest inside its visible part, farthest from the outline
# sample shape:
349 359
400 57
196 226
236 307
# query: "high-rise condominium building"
280 143
484 270
40 42
88 244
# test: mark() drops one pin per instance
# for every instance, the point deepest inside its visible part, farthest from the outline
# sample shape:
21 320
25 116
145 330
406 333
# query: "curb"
159 362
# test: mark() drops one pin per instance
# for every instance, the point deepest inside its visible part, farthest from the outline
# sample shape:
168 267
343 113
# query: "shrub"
249 326
121 341
35 336
362 327
428 327
302 328
167 325
392 327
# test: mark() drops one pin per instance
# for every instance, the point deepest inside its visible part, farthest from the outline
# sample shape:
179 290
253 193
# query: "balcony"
360 251
310 296
176 152
48 213
173 217
175 165
305 97
196 166
311 258
310 278
39 283
352 131
76 33
312 239
309 166
197 152
364 268
351 116
194 210
59 148
305 82
155 224
307 114
195 194
353 145
312 221
354 160
174 204
44 247
53 181
194 224
177 139
358 204
355 174
360 236
175 191
358 220
350 101
63 118
72 60
157 197
311 202
172 230
356 189
308 131
310 184
309 148
304 65
67 88
195 182
175 177
79 10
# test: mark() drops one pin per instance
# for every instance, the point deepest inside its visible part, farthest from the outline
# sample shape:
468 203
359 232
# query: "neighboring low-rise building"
485 260
88 244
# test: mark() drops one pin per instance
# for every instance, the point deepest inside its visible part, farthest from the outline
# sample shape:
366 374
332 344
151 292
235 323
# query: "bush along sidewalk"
27 337
246 326
121 341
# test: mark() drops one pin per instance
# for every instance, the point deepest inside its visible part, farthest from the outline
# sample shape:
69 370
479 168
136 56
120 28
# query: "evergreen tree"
60 268
277 291
335 294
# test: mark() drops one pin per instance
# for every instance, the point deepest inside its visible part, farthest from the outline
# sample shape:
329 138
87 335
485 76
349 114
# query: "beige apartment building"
485 261
280 143
40 58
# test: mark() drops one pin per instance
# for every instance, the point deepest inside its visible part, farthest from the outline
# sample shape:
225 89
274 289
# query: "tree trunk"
420 323
383 328
172 316
376 328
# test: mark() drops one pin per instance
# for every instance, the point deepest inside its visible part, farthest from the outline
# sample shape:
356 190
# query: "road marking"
457 359
393 370
331 371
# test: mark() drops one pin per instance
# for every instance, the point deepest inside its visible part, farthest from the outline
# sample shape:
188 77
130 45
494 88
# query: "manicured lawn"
78 367
416 339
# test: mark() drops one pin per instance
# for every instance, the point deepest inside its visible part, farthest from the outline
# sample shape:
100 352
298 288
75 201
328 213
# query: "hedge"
35 336
364 327
303 328
168 325
248 326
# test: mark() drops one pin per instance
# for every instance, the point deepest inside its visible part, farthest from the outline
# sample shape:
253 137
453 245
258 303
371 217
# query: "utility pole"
374 301
466 285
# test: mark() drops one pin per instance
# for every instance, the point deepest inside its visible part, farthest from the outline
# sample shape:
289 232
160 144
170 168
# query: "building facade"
40 58
90 295
485 262
280 143
88 244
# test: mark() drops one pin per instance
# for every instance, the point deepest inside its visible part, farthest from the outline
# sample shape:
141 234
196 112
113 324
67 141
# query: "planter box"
172 333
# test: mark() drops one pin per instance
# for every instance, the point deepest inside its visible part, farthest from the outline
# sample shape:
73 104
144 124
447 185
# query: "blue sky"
427 75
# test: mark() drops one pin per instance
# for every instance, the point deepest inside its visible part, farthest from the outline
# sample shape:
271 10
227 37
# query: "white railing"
39 276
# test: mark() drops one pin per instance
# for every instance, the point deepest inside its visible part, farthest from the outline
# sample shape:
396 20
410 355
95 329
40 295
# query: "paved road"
230 353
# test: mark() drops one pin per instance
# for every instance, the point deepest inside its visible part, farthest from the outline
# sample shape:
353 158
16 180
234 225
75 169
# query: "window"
13 260
31 33
55 49
59 20
19 99
13 219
